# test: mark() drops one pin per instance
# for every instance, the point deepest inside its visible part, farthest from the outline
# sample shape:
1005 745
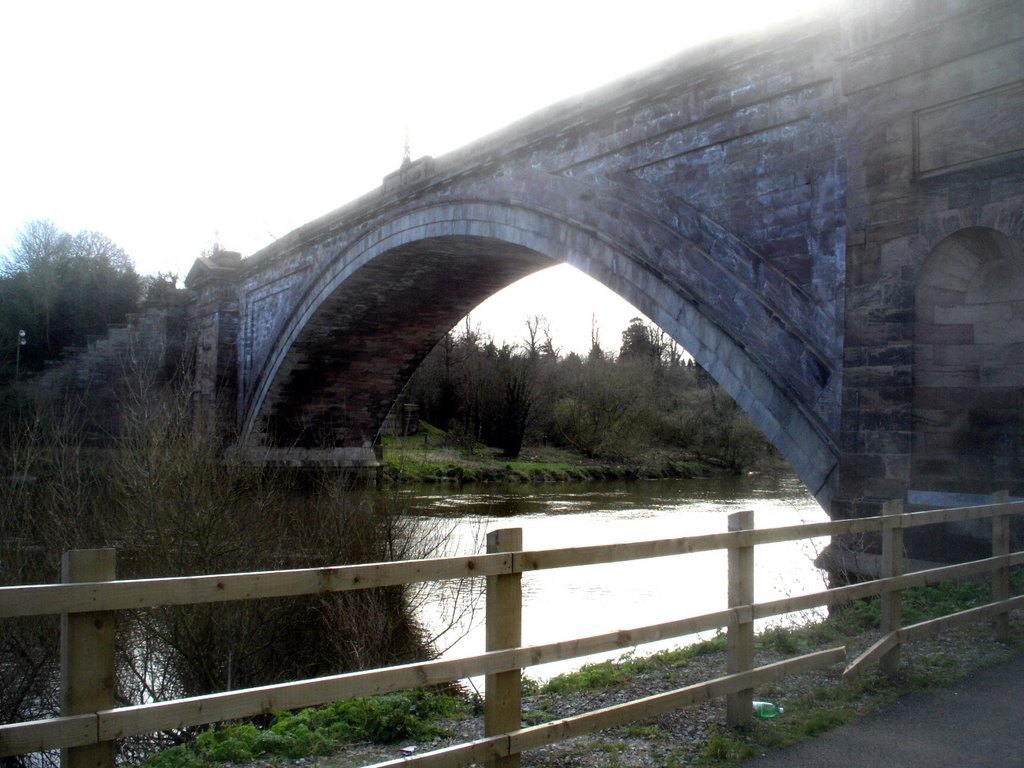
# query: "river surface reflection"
564 603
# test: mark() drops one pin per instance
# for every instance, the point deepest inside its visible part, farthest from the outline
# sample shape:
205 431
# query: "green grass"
605 674
429 457
602 674
923 603
919 604
805 717
411 715
727 747
640 731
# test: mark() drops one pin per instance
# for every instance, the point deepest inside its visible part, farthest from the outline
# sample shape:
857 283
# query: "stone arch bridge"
828 216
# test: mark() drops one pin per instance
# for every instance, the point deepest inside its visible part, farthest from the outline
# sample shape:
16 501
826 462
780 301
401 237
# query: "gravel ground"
680 738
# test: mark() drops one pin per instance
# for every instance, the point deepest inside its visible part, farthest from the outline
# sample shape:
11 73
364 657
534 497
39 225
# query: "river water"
564 603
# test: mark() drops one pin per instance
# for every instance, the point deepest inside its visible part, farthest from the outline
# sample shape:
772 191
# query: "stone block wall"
928 84
213 334
99 381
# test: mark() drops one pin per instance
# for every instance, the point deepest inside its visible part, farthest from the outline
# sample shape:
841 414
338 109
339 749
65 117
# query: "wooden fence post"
740 638
891 600
87 655
1001 576
504 629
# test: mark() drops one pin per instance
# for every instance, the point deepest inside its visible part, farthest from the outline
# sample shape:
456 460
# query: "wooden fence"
89 596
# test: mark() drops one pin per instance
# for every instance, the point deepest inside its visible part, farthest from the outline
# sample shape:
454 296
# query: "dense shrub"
172 504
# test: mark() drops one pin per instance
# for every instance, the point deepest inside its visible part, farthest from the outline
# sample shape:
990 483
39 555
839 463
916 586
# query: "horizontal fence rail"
49 599
94 600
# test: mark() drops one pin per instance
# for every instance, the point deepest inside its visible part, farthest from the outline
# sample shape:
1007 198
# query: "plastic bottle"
767 710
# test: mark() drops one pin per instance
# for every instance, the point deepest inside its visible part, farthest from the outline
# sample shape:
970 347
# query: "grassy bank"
430 456
369 730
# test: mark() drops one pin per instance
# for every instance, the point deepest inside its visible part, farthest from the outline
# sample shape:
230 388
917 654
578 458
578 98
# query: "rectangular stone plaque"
968 131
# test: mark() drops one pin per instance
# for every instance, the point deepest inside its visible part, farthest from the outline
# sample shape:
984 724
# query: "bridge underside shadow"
345 370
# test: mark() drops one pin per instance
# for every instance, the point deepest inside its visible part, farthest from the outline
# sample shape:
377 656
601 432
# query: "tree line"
60 290
646 397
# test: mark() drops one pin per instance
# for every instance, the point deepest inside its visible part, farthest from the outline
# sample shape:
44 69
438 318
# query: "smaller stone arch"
968 382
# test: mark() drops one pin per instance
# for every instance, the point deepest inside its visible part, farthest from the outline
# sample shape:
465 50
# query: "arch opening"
306 393
622 391
365 338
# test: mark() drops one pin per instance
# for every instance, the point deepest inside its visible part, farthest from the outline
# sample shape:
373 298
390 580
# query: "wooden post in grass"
892 565
503 690
87 655
1001 576
740 639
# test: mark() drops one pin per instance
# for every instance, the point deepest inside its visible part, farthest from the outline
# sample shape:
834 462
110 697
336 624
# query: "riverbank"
814 702
430 456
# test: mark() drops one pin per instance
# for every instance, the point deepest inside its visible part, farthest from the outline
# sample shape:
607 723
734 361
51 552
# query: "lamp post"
22 341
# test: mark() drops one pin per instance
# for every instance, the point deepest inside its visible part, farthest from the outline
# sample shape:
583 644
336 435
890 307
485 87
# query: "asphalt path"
979 721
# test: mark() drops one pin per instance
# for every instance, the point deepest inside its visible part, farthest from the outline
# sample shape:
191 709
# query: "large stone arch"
380 303
968 382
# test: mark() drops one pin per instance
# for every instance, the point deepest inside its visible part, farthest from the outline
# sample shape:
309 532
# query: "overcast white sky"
168 126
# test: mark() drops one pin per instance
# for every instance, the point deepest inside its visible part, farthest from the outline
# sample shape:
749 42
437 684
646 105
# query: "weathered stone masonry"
771 201
935 98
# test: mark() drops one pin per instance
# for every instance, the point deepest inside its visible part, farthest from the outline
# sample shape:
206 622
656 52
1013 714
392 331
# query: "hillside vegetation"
646 407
